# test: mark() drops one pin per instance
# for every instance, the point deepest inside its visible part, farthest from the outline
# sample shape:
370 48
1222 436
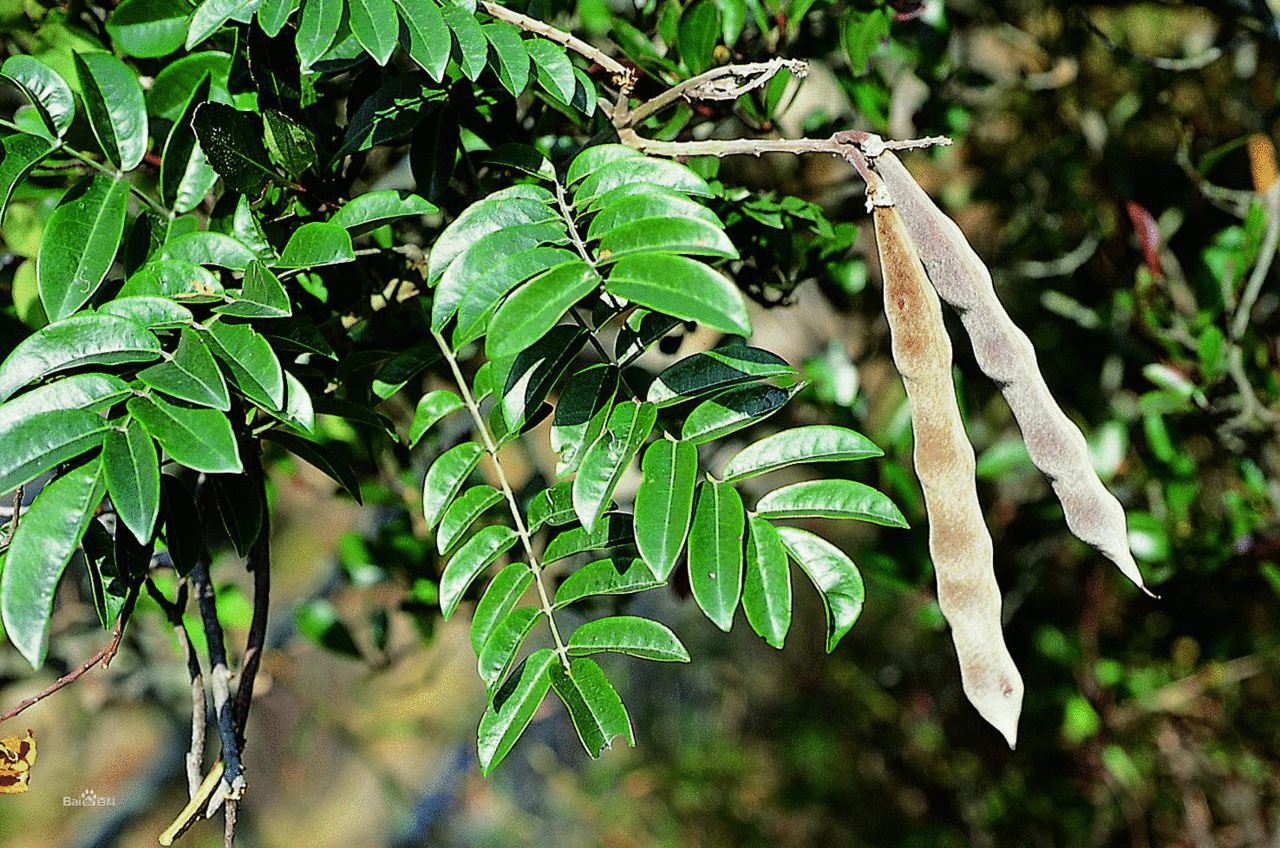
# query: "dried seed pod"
959 543
1004 353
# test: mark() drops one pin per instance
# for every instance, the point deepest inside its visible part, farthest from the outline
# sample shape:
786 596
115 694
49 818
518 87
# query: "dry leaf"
17 756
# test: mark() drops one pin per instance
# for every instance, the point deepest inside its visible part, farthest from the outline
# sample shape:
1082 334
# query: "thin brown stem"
623 76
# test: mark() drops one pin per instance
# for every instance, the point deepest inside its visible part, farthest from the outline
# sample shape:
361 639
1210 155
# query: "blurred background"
1114 165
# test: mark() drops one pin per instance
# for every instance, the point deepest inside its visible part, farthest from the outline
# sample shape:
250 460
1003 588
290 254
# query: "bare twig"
173 612
195 806
839 144
1188 63
725 83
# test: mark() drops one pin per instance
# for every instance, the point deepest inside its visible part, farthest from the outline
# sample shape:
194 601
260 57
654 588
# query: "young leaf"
627 634
581 413
200 439
375 26
73 343
431 408
131 468
605 461
117 110
513 708
501 596
462 513
192 375
835 575
593 704
498 653
715 552
427 35
445 478
766 589
38 553
681 287
80 243
734 409
40 440
477 554
830 499
703 373
817 443
530 313
664 503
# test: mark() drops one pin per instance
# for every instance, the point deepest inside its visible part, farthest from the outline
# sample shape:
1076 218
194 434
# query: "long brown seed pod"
1004 353
959 543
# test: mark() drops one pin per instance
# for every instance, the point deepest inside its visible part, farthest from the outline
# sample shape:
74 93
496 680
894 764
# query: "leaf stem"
544 599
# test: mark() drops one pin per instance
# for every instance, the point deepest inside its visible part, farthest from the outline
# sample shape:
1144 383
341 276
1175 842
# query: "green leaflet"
733 409
21 153
131 468
664 503
715 552
80 243
606 577
833 573
499 598
475 556
45 89
530 313
431 407
200 439
818 443
714 370
375 26
253 365
681 287
475 267
512 66
73 343
473 48
445 478
535 370
593 704
498 653
766 589
666 234
637 169
581 413
317 243
830 499
613 529
185 175
192 375
38 440
117 110
375 208
40 549
462 513
429 41
510 207
513 707
93 392
627 634
608 457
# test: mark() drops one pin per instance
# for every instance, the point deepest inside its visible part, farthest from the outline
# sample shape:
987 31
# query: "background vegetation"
1147 722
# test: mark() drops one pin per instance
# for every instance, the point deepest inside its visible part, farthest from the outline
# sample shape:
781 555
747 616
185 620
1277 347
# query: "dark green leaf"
830 499
431 408
482 296
40 549
403 367
317 28
581 413
263 296
317 243
593 704
38 441
289 144
835 575
132 471
534 308
391 112
462 513
375 26
477 554
627 634
513 58
513 708
375 208
80 243
445 478
534 372
602 577
612 530
171 90
254 368
766 590
232 144
554 70
642 329
428 37
681 287
200 439
608 457
473 49
715 552
501 596
149 29
714 370
117 110
318 621
664 503
73 343
299 409
474 268
48 92
734 409
332 465
552 506
498 653
185 175
818 443
240 506
183 528
700 30
433 152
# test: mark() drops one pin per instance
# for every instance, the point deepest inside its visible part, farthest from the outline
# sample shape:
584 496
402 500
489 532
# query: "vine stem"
522 531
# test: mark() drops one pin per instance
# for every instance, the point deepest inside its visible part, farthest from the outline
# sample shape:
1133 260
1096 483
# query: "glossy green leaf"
299 409
192 375
641 330
117 110
836 577
681 287
639 169
40 440
93 392
664 503
512 66
652 203
403 367
462 513
232 144
593 704
581 413
200 439
608 457
149 29
672 235
627 634
612 530
208 248
38 553
534 308
185 175
510 207
594 158
513 708
391 112
47 91
830 499
74 343
714 370
429 41
715 552
554 70
551 506
500 597
733 409
333 466
132 471
273 14
534 372
431 408
263 295
445 478
604 577
817 443
375 26
317 28
473 48
700 31
498 653
481 298
171 90
154 313
375 208
210 15
475 265
254 368
80 243
19 153
766 588
317 243
176 278
477 554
